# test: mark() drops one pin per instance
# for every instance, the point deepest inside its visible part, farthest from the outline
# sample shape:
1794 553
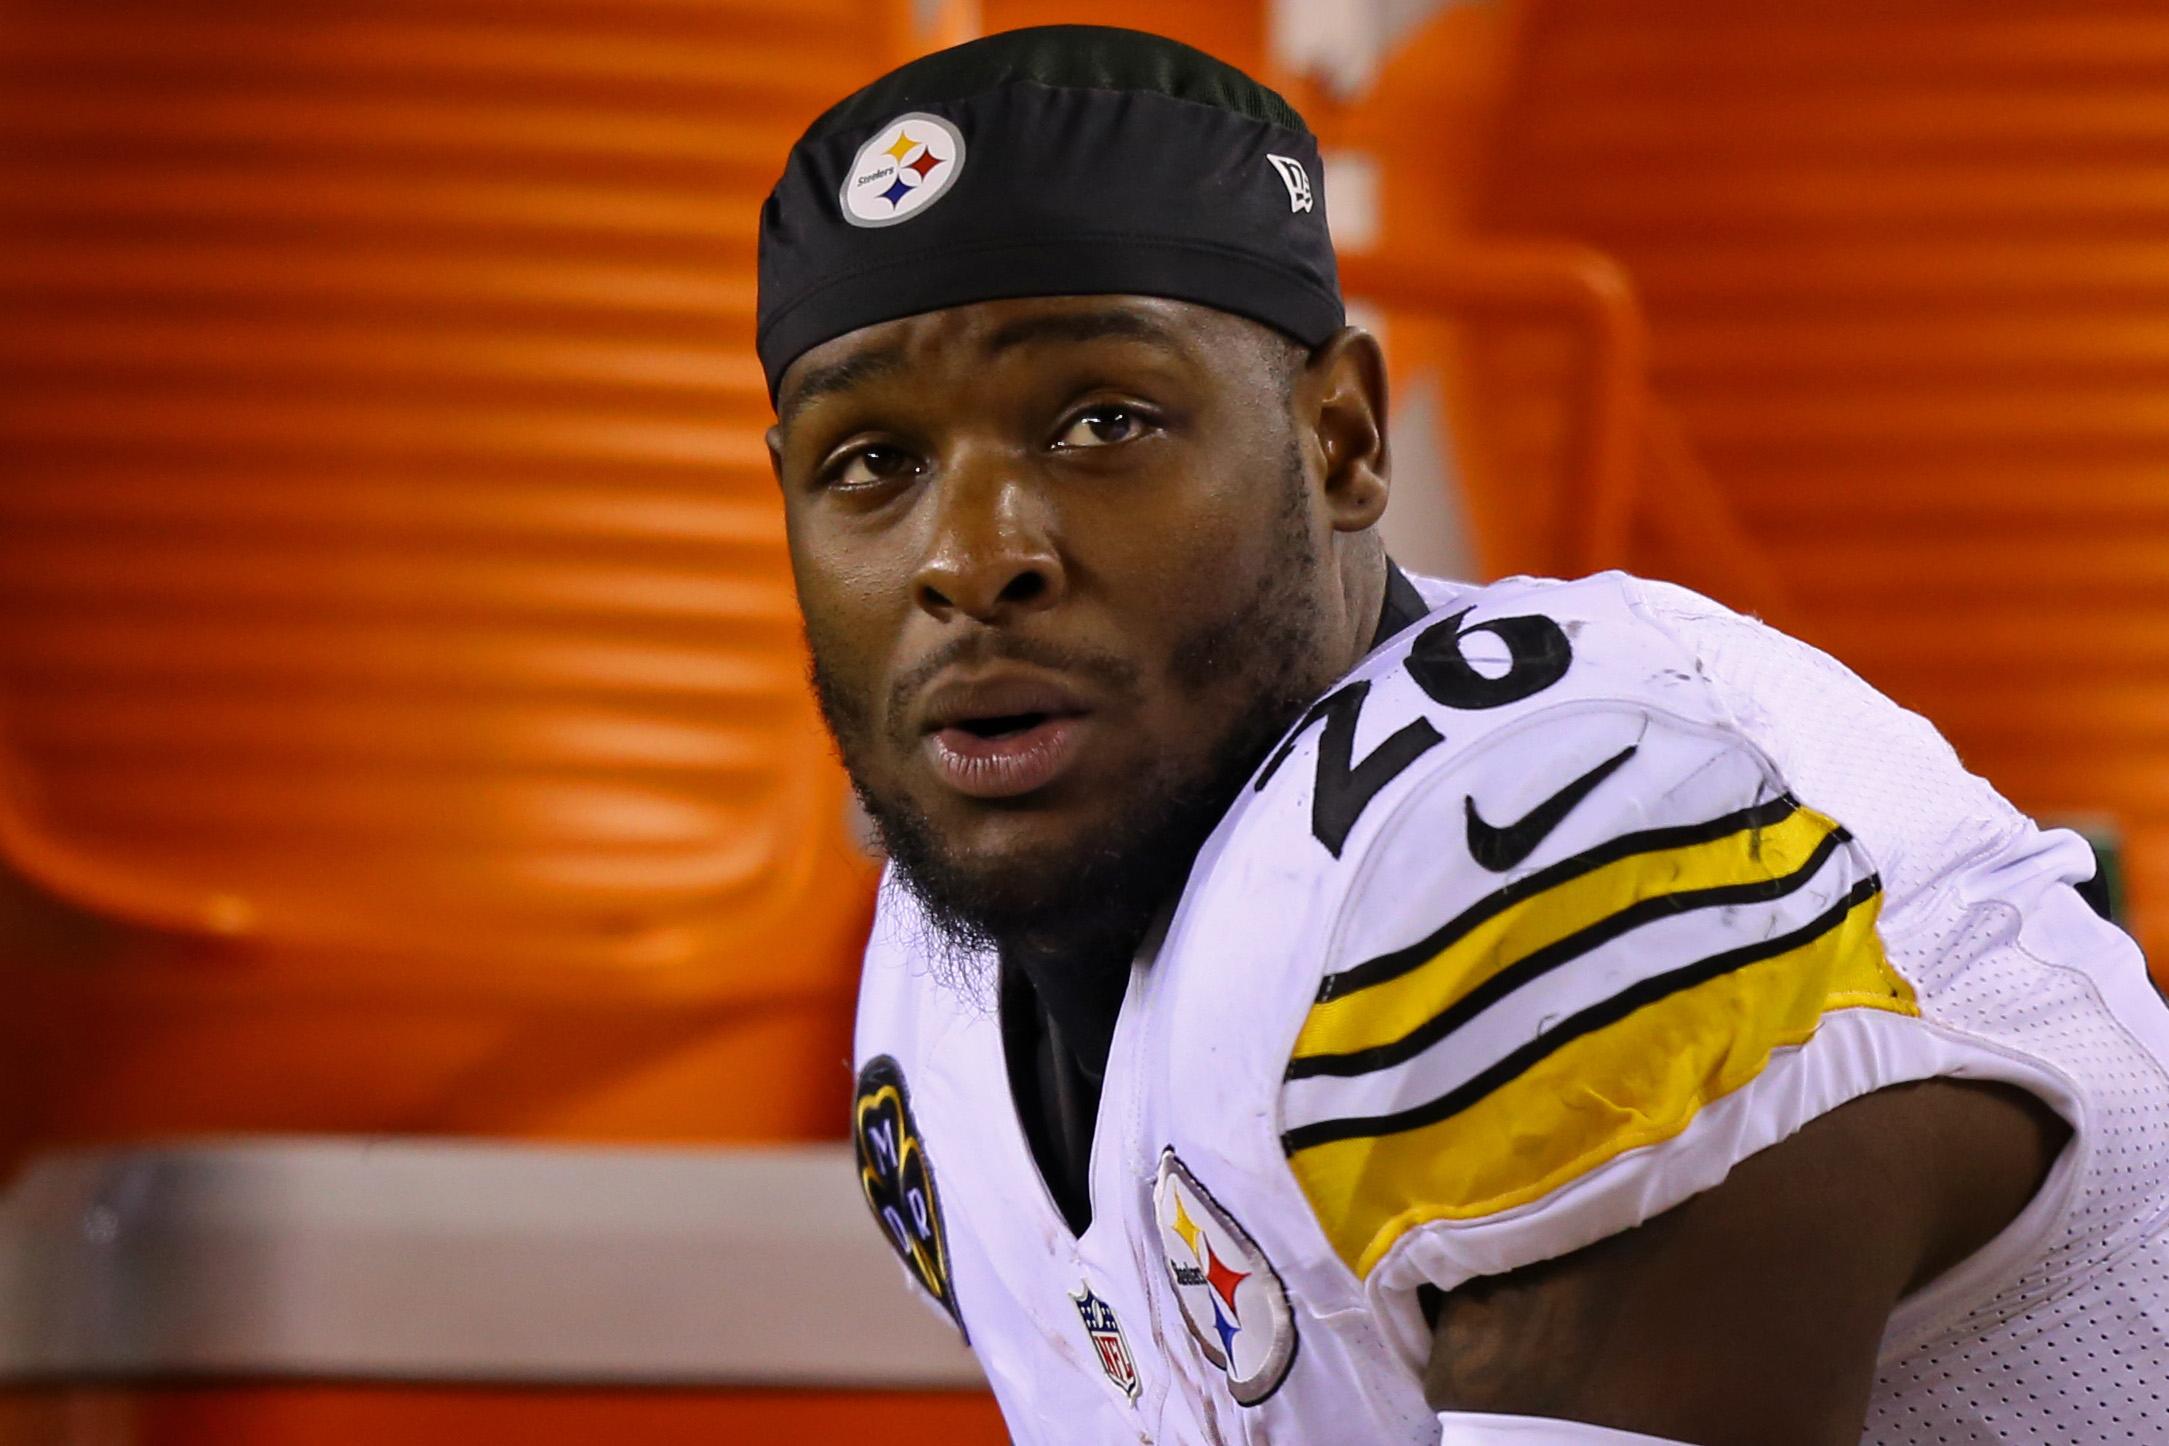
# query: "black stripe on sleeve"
1589 1021
1766 814
1542 961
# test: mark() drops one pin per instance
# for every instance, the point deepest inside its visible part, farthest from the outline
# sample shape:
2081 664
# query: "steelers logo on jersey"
898 1180
1231 1297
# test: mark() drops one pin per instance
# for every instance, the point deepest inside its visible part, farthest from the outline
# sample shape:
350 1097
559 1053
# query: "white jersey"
1566 900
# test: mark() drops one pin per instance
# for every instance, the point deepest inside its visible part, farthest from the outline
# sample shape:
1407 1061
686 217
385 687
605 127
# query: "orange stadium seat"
402 716
1901 267
396 640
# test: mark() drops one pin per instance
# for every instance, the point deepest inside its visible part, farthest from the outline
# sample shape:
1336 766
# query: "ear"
774 439
1345 407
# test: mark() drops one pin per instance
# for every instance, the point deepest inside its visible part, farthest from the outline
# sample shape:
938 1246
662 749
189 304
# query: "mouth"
1003 737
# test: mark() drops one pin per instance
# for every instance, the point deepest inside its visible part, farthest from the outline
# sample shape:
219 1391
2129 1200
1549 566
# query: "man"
1311 1004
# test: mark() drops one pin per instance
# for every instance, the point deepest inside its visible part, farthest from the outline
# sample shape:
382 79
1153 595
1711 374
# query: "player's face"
1060 562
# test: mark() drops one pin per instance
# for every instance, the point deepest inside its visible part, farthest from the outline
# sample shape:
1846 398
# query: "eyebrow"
1074 326
841 376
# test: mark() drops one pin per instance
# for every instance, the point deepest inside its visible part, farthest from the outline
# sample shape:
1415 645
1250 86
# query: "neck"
1366 600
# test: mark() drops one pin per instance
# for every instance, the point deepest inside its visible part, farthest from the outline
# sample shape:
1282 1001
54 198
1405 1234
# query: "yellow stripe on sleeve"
1636 1081
1385 1012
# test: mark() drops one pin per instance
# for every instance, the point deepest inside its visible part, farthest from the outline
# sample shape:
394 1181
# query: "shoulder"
1490 663
1544 936
1535 685
1518 727
1849 749
1471 675
1558 953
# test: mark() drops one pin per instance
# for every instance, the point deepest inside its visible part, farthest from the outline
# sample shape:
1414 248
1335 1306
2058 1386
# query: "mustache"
1114 675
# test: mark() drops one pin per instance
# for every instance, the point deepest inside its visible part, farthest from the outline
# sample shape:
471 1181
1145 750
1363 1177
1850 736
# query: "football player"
1311 1003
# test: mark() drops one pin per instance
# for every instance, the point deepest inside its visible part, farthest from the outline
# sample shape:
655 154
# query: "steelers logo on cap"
908 165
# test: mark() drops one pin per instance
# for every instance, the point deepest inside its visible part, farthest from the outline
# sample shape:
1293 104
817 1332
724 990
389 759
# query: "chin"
1016 842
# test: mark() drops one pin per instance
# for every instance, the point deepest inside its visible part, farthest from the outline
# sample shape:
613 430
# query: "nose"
992 556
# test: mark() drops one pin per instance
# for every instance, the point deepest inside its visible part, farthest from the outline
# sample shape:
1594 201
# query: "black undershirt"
1055 1041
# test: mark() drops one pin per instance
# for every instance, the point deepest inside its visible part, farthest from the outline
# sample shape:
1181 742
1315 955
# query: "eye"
1103 426
873 467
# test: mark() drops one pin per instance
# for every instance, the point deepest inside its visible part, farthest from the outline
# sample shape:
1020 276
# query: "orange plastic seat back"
400 679
1901 268
389 555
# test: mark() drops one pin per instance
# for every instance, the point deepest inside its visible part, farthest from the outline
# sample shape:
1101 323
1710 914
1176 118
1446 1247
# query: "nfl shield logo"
1106 1334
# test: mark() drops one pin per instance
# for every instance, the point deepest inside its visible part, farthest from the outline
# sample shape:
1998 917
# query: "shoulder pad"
1477 668
1558 946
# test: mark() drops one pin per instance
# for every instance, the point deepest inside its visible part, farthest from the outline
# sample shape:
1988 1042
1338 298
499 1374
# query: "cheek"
840 631
1204 560
858 560
846 581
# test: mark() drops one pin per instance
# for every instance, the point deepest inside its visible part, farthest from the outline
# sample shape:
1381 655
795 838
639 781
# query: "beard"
1074 915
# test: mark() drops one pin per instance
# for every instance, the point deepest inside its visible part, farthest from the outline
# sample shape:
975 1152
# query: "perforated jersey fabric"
2071 1343
1380 1048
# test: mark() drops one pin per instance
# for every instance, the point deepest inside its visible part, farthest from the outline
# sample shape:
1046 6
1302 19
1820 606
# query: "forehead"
1021 331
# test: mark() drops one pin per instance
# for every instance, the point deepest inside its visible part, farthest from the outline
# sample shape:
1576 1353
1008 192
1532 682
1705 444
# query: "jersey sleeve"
1583 972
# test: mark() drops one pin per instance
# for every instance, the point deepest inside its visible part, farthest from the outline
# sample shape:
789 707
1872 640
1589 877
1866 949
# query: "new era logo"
1295 178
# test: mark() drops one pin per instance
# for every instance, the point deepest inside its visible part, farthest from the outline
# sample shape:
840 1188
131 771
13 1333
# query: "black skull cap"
1062 160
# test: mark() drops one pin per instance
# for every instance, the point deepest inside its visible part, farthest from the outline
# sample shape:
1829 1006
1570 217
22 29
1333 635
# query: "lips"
1003 735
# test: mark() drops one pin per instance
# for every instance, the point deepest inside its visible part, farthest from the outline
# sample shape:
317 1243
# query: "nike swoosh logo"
1499 849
